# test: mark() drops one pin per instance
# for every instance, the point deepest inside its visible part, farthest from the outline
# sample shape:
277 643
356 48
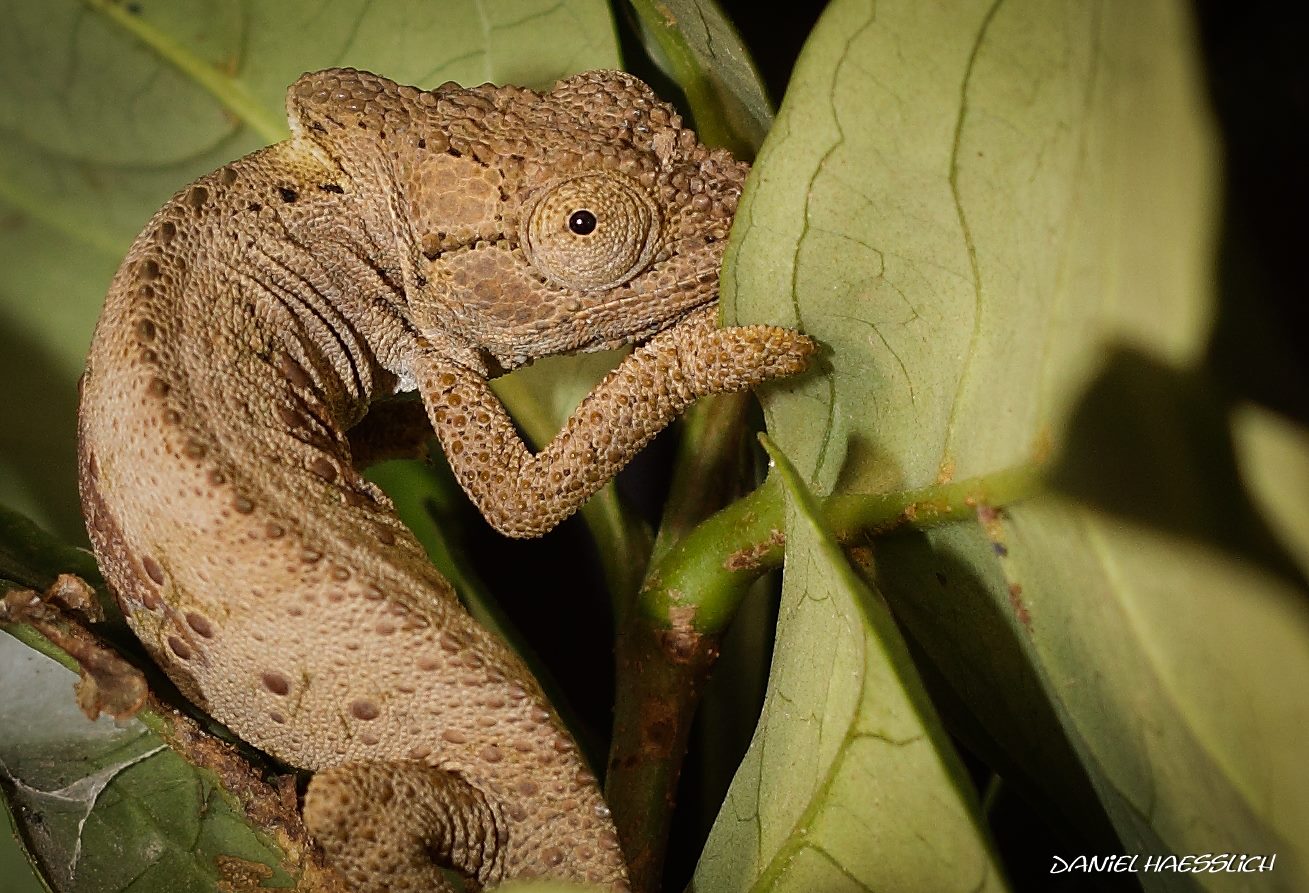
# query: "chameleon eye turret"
592 231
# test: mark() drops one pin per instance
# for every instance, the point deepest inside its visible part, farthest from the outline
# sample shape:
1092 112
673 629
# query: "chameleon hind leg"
394 826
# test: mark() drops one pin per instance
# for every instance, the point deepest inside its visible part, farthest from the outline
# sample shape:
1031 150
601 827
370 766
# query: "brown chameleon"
399 240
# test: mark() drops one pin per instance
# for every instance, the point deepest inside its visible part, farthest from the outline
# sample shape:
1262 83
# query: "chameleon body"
401 240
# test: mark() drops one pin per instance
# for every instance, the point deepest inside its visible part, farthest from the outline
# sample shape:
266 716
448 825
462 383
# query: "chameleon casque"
400 240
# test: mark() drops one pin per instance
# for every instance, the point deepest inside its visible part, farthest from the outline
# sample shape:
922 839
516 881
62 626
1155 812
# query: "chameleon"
250 360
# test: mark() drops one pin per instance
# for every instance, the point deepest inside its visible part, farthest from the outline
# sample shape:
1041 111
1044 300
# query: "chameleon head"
581 218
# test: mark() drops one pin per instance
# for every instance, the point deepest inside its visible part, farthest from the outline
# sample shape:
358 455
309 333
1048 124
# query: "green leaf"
850 782
1166 664
106 806
30 559
109 108
1152 443
966 203
1273 456
695 44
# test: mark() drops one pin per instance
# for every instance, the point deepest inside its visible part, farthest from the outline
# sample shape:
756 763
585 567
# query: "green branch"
700 581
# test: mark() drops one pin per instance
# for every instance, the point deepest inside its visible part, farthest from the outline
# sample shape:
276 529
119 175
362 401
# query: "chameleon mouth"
650 291
634 316
662 303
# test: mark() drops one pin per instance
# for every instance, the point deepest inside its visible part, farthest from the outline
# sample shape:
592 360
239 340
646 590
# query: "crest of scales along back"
399 240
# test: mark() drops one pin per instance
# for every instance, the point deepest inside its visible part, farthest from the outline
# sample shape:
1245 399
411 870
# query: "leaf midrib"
230 92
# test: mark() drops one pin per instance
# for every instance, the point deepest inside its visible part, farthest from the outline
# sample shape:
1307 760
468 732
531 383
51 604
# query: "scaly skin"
399 240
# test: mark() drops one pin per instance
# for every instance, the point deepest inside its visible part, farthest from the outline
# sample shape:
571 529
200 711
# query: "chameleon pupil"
582 222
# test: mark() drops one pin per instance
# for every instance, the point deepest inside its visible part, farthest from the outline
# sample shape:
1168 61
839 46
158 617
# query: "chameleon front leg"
525 495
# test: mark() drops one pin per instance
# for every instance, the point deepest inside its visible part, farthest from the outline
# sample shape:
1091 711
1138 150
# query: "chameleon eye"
616 220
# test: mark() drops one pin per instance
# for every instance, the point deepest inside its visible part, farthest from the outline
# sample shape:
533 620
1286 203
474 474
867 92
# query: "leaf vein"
967 235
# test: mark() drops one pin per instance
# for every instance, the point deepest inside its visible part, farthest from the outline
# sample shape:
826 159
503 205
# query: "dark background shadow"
1259 85
42 450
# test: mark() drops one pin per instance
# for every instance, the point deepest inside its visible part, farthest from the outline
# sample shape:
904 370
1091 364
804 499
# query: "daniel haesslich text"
1211 863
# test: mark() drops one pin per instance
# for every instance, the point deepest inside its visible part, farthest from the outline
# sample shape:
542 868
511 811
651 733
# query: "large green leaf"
965 203
1273 457
850 782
